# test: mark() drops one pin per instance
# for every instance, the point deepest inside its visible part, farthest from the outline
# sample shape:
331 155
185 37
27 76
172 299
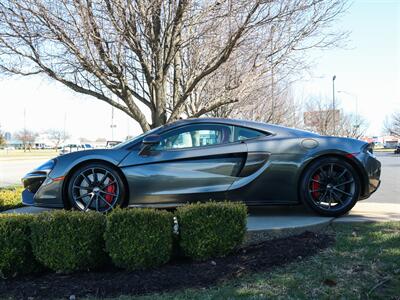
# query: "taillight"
352 155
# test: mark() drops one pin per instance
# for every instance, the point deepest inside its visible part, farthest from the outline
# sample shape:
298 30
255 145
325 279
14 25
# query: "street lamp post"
333 103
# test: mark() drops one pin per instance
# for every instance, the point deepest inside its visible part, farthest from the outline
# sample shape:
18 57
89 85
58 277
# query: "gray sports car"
211 159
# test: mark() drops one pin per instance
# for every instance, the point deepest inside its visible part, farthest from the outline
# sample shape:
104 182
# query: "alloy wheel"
95 189
332 187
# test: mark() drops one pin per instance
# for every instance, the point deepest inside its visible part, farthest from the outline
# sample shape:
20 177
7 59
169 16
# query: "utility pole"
65 124
24 120
24 133
112 123
333 104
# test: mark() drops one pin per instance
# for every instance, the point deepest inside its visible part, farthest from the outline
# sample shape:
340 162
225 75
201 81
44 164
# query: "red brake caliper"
315 186
110 189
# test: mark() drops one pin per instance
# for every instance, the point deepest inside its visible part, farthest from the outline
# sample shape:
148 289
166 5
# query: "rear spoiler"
369 147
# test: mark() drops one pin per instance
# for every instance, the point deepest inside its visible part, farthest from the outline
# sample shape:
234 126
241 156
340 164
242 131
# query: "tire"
330 186
96 187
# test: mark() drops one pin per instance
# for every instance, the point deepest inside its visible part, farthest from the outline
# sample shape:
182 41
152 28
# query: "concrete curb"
297 221
371 212
266 223
257 236
26 210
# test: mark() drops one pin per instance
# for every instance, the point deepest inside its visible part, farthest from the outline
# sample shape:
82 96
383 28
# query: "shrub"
211 229
67 241
15 249
139 238
10 198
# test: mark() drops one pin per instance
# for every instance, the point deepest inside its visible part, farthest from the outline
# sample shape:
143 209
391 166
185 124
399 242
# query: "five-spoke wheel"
330 186
96 187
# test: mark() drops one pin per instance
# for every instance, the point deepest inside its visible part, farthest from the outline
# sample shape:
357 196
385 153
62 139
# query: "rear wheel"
330 186
97 187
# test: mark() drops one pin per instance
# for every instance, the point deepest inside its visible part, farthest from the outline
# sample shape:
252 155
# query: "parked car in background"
111 144
75 147
211 159
87 146
397 150
70 148
390 144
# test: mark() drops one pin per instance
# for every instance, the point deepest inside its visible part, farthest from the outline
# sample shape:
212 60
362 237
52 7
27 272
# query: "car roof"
270 128
264 127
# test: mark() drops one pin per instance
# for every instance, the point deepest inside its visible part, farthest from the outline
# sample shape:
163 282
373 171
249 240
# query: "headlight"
47 166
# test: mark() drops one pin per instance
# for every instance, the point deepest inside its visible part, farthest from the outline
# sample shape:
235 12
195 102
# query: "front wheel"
97 187
330 186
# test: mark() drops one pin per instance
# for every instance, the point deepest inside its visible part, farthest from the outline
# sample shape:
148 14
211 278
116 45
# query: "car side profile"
211 159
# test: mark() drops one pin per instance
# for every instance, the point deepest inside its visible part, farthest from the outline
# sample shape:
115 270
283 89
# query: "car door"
191 163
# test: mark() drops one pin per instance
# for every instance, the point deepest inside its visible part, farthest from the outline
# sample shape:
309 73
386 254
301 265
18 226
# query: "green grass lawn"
363 264
384 150
21 154
10 197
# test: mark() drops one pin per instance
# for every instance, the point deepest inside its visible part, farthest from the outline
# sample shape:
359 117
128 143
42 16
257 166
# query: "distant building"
7 136
386 141
390 142
14 143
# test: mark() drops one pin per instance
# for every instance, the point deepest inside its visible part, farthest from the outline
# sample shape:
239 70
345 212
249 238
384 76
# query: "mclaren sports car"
209 159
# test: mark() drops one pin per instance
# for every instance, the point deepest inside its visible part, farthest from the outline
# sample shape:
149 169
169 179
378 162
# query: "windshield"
136 138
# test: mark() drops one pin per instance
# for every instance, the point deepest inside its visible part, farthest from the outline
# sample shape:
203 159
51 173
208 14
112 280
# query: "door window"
195 136
202 135
243 133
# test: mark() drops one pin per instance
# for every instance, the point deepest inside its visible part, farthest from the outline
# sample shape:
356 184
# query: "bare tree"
101 140
57 136
392 125
255 79
272 104
27 137
148 57
2 138
320 117
352 126
84 140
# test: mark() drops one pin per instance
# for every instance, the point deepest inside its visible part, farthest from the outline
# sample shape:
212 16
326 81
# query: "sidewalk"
372 212
268 223
293 217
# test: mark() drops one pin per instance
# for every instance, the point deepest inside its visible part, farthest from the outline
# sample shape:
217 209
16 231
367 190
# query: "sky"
367 71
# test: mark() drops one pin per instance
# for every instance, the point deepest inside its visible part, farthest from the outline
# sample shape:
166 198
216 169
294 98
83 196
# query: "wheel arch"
67 203
352 161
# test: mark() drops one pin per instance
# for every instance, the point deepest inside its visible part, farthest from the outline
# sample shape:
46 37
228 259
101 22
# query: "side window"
195 136
242 133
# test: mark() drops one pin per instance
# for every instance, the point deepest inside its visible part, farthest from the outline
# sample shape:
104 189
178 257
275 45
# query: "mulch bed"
178 274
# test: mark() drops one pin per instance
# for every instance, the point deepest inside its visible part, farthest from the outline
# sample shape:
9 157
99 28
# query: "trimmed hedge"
211 229
10 197
139 238
67 241
16 255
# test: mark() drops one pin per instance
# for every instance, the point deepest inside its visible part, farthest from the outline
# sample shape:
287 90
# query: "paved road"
389 191
11 172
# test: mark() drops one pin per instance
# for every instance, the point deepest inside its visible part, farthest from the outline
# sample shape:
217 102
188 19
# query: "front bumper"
42 190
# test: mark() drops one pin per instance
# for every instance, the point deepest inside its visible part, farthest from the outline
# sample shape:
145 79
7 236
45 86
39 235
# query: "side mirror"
149 141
